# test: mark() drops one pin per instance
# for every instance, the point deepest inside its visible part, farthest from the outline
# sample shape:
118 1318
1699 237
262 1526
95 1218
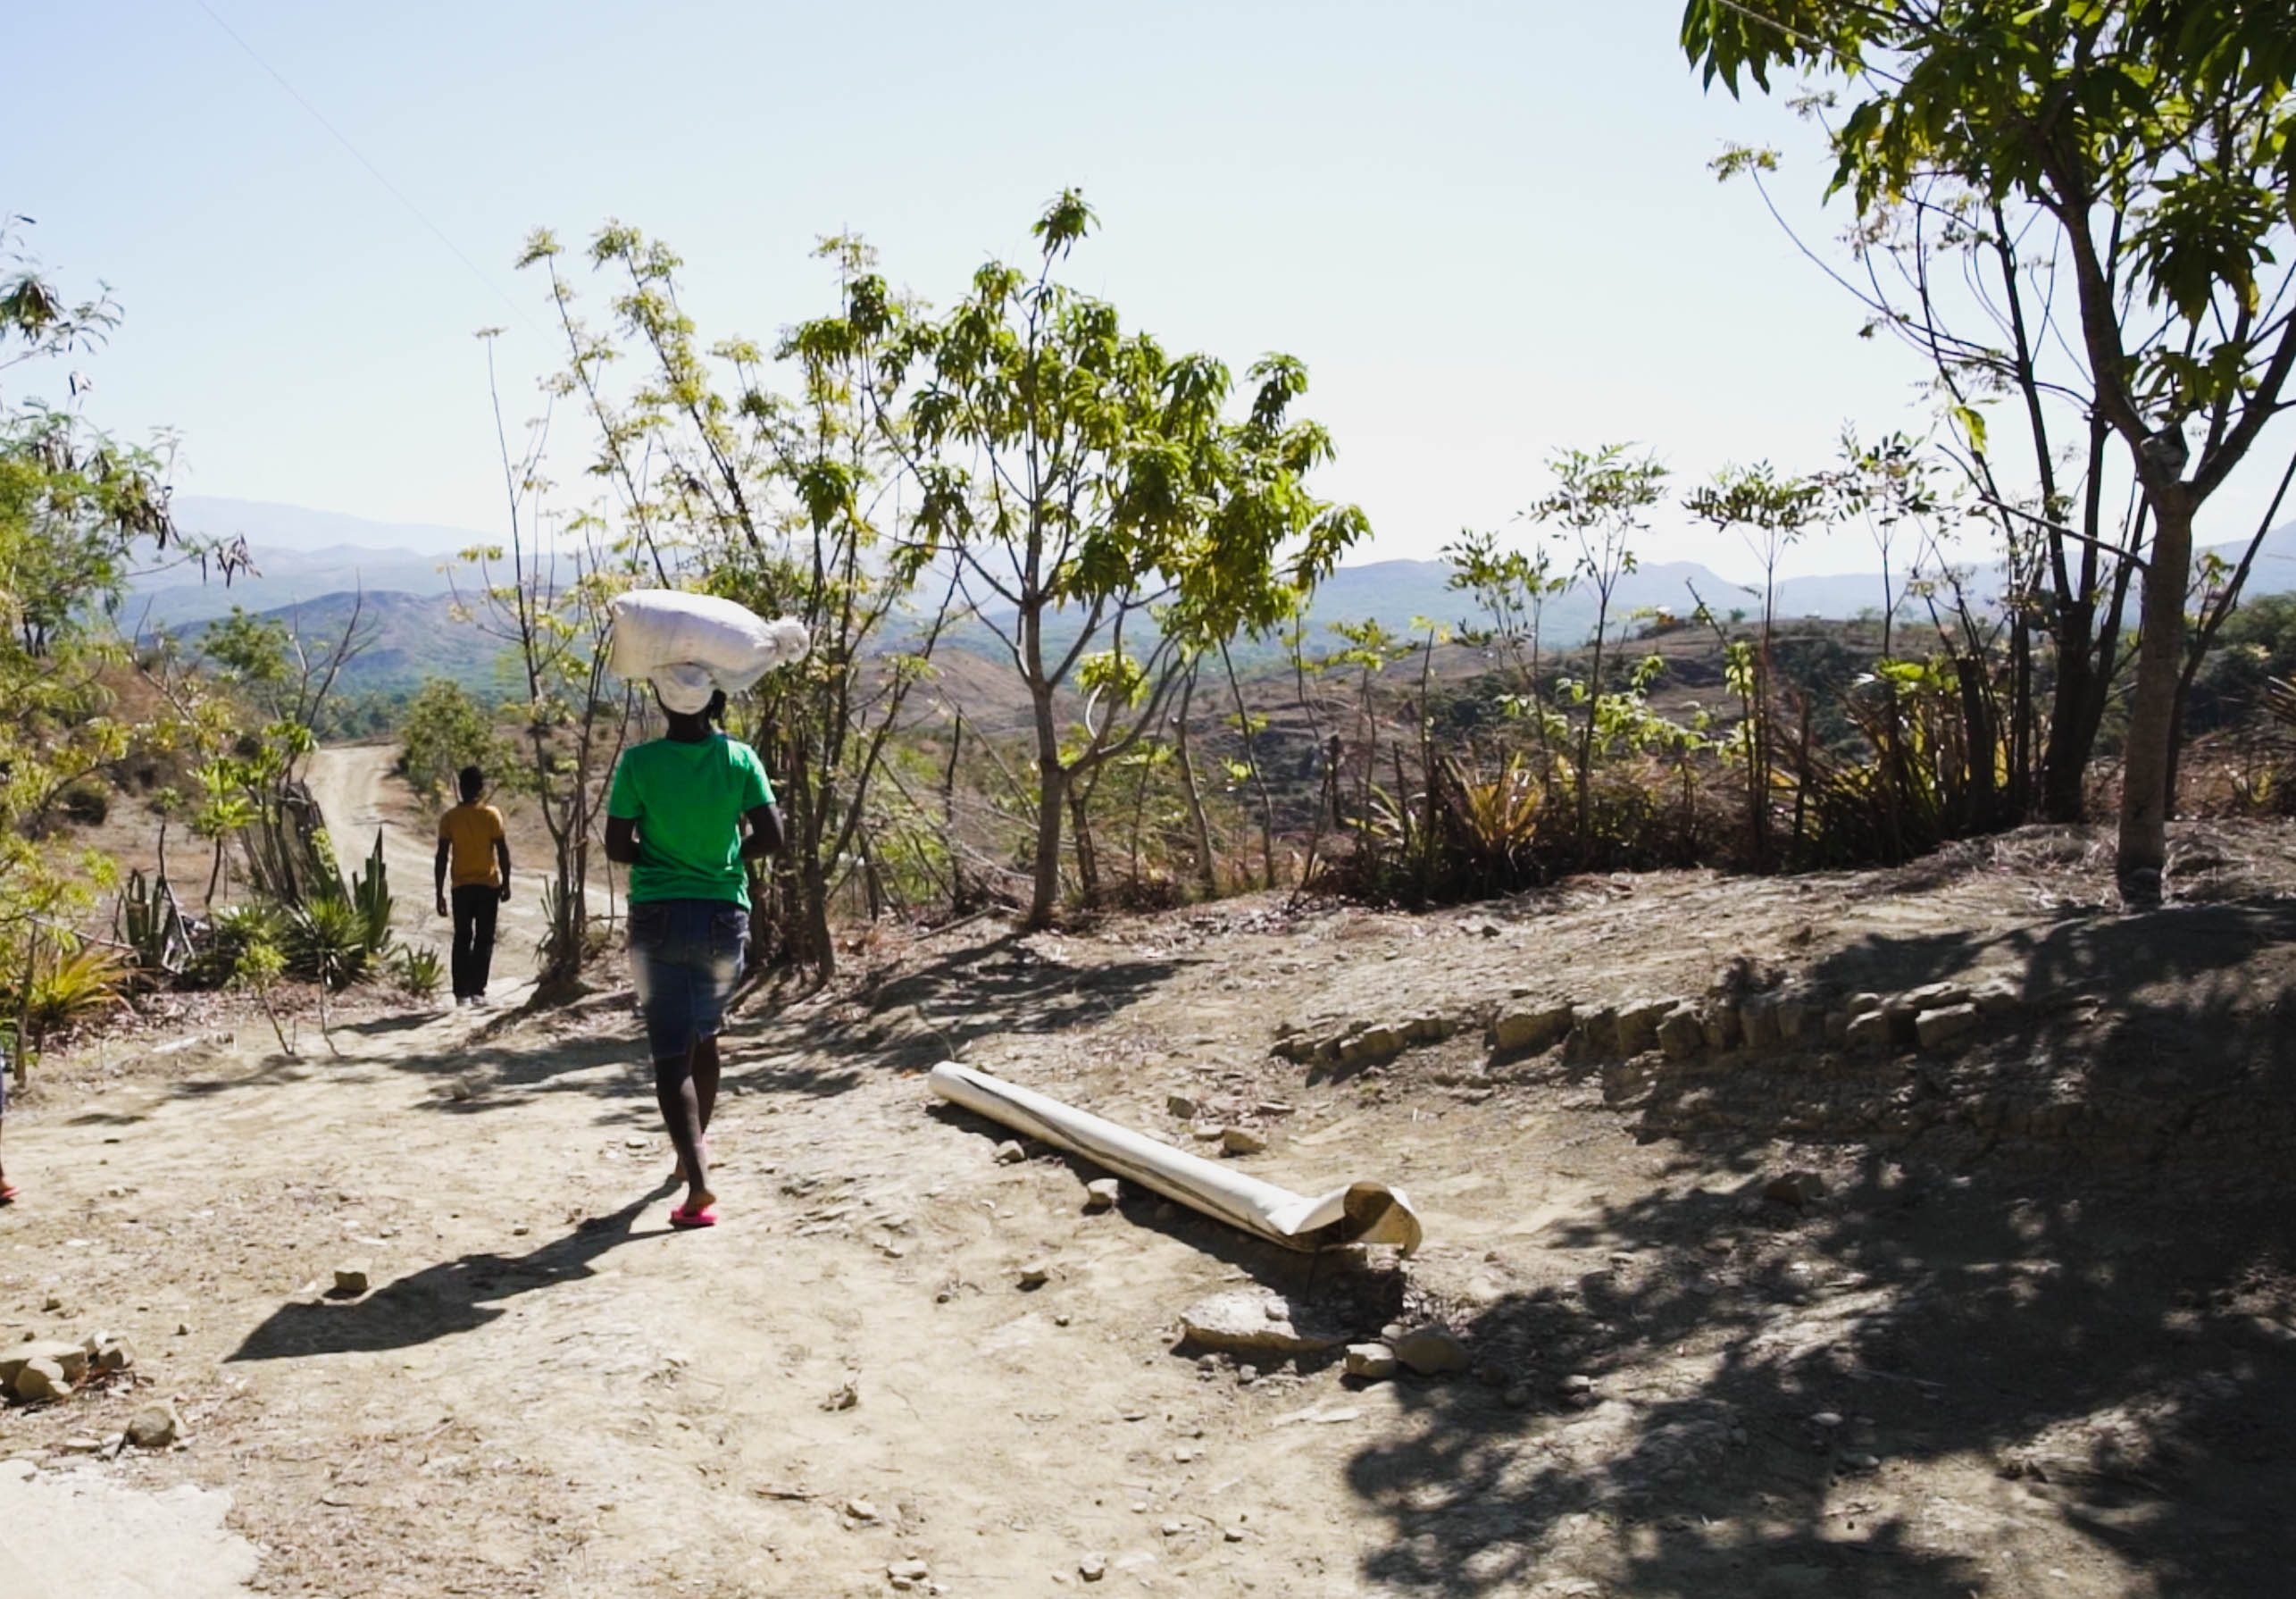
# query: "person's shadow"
453 1296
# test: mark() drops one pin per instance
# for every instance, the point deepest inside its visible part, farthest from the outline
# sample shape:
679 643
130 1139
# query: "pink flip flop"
702 1217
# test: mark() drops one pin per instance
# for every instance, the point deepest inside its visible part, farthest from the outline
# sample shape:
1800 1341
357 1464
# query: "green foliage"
2256 646
79 512
256 967
443 730
1072 468
232 931
69 982
417 969
2111 183
331 940
371 899
154 923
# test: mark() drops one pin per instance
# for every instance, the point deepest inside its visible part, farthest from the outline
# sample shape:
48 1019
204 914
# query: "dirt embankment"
2020 1326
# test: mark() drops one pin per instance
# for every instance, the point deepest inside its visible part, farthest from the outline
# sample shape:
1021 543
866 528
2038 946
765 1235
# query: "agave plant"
69 984
417 969
371 898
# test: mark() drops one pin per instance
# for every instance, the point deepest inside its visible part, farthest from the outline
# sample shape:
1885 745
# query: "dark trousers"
474 913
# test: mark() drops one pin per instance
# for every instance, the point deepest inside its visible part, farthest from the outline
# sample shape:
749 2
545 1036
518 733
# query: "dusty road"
2030 1337
358 794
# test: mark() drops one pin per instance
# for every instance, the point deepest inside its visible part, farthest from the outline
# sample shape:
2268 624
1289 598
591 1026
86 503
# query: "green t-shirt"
687 800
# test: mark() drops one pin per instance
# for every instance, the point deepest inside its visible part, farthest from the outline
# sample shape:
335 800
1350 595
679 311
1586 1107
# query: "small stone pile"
39 1369
1937 1016
1356 1042
1737 1014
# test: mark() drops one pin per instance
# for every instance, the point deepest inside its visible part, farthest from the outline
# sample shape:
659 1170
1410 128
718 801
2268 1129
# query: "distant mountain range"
313 561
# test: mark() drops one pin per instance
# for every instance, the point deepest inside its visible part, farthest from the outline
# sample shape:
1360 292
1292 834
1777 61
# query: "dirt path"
1995 1356
357 792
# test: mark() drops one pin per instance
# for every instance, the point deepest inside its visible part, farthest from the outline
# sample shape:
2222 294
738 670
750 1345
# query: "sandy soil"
2034 1339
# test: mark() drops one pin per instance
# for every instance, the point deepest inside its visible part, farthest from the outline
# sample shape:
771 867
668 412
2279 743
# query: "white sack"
678 638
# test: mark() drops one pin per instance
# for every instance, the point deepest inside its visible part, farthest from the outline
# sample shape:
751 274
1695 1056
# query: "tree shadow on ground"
934 1012
2054 1268
453 1296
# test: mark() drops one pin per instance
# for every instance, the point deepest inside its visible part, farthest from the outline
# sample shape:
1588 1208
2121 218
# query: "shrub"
418 970
328 942
86 803
229 933
70 985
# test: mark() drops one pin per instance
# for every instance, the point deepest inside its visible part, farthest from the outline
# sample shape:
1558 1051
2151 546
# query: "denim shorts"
685 955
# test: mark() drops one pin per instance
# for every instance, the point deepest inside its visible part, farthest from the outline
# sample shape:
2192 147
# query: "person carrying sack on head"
473 846
674 817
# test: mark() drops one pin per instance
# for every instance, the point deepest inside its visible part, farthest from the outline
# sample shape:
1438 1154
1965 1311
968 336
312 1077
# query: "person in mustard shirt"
473 846
674 817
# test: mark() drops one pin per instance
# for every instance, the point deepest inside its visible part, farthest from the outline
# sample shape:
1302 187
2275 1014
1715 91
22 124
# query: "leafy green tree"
1770 513
1096 503
80 512
2127 165
544 594
443 731
789 503
1595 510
284 677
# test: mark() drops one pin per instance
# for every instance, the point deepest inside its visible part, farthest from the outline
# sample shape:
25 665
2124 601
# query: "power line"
373 171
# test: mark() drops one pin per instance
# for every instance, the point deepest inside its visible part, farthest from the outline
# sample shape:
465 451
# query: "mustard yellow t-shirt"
471 830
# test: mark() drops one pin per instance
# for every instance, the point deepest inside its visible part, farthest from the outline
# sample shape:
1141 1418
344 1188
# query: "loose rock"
1870 1032
1092 1568
1010 1152
36 1380
1523 1028
1681 1033
1180 1107
68 1358
1594 1031
1373 1362
118 1355
1432 1352
1240 1140
154 1426
1101 1193
352 1277
1370 1044
1240 1321
1937 1028
1795 1188
1638 1023
1036 1274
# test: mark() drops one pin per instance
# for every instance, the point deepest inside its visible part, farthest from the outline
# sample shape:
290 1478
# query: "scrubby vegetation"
1057 576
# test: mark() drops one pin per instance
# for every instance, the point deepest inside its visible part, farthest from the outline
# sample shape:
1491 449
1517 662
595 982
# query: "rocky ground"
1916 1234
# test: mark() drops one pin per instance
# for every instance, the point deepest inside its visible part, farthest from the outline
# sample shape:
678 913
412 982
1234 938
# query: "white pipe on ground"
1358 1213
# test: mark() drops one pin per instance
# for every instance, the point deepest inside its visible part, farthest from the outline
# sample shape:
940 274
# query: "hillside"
411 637
312 562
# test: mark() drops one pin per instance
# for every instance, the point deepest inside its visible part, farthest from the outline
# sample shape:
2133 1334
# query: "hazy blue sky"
1488 230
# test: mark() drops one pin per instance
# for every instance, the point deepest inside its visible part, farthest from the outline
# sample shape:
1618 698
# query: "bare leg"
703 1062
706 1074
673 1090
